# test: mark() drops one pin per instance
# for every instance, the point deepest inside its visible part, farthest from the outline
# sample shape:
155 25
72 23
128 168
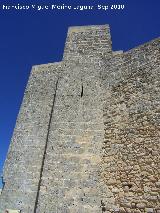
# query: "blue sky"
37 37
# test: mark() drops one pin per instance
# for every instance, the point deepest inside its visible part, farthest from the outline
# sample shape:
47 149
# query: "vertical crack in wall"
45 149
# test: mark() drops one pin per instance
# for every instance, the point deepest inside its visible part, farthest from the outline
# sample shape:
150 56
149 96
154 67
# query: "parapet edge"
44 66
142 45
117 52
87 28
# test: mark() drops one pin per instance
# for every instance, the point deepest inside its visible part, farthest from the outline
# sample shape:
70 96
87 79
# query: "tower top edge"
86 28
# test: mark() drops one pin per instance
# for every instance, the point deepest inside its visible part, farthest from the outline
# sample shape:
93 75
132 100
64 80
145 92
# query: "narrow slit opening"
82 92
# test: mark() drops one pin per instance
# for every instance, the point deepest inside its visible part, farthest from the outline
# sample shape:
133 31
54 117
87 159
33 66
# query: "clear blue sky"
29 37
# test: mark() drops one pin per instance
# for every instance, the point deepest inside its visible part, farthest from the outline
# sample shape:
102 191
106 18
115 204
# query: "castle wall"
131 160
87 41
71 178
86 138
24 160
69 181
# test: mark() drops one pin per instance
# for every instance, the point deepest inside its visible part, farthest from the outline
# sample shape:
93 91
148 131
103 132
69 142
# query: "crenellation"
87 137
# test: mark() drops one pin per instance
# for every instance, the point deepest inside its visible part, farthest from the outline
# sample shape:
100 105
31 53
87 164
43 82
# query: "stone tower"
86 139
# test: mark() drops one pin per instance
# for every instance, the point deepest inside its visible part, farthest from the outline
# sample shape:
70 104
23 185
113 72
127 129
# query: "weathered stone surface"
87 138
131 118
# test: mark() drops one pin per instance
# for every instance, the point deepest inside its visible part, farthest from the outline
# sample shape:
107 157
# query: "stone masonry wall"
131 145
23 164
87 41
87 136
71 176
